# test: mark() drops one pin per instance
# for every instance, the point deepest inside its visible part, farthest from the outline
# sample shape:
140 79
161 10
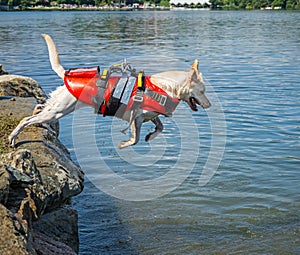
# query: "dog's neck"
174 83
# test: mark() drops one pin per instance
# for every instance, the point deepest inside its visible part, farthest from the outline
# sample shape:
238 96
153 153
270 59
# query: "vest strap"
161 99
138 97
140 80
101 84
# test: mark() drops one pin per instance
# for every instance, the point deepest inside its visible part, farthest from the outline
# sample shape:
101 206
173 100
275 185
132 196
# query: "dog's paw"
125 144
148 137
151 136
38 108
11 141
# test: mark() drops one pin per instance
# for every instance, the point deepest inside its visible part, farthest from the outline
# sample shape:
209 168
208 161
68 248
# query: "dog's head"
194 92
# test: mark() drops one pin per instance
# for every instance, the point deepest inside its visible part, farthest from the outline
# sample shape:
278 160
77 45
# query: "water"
251 60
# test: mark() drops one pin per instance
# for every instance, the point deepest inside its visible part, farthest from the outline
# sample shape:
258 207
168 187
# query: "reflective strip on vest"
128 90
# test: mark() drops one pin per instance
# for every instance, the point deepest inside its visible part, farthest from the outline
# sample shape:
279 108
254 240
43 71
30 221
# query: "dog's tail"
54 57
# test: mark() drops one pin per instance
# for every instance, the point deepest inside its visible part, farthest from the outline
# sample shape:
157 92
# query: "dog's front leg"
158 129
135 133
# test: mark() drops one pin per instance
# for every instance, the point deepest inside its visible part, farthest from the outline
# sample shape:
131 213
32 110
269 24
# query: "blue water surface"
251 63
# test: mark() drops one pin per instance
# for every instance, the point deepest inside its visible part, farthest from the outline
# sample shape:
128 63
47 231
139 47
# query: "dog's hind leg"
27 121
46 115
135 132
158 129
40 118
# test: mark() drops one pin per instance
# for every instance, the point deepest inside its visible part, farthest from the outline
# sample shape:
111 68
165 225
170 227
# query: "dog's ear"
195 65
193 73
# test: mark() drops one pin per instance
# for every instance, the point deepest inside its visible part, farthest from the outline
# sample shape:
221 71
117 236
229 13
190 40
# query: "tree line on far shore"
255 4
213 4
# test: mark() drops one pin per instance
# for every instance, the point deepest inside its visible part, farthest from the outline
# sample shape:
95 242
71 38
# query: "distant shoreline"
50 9
69 7
88 8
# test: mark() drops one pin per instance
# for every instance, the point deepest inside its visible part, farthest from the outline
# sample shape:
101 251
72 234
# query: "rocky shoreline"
37 178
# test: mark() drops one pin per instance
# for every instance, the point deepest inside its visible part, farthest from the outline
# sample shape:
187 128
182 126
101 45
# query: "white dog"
173 85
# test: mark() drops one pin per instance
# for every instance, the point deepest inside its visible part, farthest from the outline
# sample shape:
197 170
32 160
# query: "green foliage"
254 4
164 3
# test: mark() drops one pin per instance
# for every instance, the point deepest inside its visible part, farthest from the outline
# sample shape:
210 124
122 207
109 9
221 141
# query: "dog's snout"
206 105
205 102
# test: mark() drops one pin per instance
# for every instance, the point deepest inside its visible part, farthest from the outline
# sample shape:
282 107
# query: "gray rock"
12 235
5 180
44 245
17 85
17 177
60 225
37 179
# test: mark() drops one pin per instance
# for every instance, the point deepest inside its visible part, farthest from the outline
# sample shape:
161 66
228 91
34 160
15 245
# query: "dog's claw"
11 142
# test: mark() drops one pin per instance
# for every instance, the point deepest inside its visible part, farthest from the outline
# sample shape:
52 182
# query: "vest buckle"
138 97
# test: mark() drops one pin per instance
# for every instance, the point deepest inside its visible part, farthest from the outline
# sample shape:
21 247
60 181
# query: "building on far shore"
189 2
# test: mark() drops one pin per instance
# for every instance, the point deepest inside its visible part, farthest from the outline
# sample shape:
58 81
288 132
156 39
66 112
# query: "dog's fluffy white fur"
187 86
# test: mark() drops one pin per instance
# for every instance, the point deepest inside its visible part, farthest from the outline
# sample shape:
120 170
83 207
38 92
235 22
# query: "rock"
21 86
44 245
58 225
17 85
17 177
5 180
37 179
12 235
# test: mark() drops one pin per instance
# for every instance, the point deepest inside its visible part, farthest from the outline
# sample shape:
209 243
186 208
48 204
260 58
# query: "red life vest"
82 83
